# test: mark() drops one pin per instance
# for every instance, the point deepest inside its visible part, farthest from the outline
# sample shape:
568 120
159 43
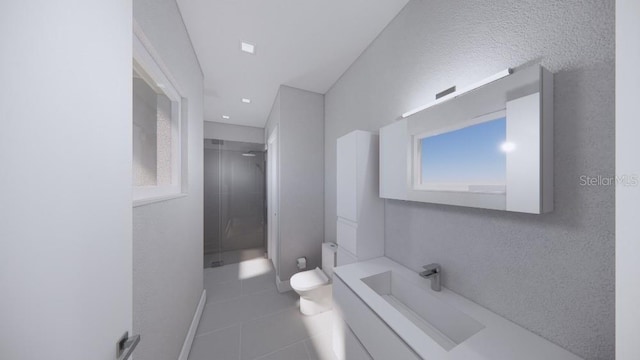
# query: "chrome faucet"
432 272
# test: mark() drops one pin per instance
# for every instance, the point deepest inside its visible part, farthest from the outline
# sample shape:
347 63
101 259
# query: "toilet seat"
308 280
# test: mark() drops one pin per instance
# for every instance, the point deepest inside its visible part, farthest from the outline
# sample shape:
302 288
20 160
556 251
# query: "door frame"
628 188
273 197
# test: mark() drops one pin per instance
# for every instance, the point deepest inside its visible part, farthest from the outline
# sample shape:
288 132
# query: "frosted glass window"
157 131
164 134
465 157
151 135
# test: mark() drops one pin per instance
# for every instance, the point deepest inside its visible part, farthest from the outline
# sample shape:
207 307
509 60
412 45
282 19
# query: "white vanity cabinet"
387 311
360 210
346 345
364 332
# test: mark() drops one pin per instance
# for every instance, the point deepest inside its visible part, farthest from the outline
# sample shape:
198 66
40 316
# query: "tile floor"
234 256
245 318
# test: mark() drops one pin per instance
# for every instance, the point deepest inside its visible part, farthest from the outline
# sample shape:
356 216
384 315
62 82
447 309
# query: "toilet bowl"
314 286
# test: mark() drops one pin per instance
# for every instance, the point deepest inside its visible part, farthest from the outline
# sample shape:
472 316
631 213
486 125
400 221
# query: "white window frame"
152 67
456 187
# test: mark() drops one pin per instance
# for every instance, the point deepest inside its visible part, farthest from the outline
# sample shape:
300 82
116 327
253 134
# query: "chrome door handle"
126 345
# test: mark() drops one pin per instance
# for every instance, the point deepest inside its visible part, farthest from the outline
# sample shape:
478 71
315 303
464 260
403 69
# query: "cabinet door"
394 152
353 348
346 345
347 235
374 334
347 177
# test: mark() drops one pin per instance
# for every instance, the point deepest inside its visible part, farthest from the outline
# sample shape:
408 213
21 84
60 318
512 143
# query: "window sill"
153 200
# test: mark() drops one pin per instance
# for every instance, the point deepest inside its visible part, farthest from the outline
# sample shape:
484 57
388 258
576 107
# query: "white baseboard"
191 334
283 286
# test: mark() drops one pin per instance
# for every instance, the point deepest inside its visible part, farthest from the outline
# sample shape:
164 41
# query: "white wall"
168 236
299 115
65 154
216 130
552 273
627 197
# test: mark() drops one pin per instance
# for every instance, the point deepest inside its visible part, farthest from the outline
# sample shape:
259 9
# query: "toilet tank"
329 257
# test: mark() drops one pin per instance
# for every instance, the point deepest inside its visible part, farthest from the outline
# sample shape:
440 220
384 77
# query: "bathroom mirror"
489 148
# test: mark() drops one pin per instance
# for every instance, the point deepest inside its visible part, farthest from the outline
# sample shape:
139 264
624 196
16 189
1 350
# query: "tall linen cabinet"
360 210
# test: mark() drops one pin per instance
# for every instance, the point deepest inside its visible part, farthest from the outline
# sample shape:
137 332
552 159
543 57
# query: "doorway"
234 202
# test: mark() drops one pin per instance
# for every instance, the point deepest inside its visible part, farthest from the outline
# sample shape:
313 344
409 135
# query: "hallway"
246 318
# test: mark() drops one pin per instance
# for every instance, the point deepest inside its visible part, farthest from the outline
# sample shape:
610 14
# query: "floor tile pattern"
245 318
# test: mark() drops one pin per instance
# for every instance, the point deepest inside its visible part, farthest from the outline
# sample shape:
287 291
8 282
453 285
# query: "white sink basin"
433 325
445 324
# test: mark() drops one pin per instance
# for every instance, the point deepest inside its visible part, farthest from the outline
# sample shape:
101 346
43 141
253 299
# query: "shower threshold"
218 259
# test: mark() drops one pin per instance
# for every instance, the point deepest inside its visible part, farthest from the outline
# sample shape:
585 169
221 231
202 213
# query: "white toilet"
314 286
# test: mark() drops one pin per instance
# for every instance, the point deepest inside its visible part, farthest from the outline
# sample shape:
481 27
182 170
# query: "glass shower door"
234 202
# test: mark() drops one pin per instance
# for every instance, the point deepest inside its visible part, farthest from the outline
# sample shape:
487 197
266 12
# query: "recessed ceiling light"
246 101
248 48
226 117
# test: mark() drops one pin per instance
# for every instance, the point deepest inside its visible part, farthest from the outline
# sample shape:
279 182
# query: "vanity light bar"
480 83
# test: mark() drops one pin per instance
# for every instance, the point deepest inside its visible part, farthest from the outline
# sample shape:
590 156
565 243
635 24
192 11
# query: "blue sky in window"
469 155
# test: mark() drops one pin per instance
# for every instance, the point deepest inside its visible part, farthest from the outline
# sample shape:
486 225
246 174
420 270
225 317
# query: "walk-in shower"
234 201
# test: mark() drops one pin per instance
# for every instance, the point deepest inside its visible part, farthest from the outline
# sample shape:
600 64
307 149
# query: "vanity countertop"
500 339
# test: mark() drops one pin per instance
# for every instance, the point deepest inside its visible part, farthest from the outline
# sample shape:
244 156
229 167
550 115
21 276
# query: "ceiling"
306 44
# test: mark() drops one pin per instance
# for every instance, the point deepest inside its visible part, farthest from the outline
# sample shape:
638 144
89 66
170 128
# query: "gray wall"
233 200
554 273
167 236
216 130
299 115
274 117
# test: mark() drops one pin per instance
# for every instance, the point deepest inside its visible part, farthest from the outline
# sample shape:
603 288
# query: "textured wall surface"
167 236
299 116
552 274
